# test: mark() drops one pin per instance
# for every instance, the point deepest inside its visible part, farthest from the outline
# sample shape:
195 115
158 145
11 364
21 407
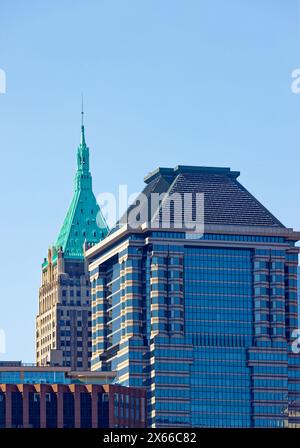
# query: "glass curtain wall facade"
205 324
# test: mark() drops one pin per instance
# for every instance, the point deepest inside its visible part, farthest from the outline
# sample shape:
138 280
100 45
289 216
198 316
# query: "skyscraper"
204 321
63 333
298 293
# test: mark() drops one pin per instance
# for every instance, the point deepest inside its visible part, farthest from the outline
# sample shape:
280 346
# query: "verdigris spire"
82 137
84 222
82 123
83 179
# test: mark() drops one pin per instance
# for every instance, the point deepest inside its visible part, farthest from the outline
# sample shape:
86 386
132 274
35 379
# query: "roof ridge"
260 204
152 218
69 218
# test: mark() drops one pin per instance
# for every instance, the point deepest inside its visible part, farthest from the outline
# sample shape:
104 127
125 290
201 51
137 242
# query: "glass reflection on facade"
205 324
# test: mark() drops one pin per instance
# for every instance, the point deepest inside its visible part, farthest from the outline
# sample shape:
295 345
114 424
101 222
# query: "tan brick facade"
63 334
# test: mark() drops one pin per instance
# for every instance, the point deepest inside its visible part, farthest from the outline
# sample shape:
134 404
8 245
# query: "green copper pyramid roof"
84 221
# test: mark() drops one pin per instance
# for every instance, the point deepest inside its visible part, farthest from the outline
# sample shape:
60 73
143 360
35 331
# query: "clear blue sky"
166 82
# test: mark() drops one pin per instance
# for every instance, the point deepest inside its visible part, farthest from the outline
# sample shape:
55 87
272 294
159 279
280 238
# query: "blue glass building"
205 321
298 287
18 373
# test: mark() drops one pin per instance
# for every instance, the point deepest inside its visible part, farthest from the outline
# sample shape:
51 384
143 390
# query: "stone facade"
63 333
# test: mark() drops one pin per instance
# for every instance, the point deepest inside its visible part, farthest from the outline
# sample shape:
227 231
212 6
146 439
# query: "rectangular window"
116 405
126 406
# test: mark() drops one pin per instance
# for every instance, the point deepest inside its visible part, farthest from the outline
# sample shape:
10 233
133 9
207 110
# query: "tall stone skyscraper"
63 323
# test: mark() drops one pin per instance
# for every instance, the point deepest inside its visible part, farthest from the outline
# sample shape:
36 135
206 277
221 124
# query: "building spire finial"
82 109
82 125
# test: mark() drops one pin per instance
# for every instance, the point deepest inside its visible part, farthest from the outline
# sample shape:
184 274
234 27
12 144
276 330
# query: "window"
126 406
116 405
143 409
36 397
104 398
121 405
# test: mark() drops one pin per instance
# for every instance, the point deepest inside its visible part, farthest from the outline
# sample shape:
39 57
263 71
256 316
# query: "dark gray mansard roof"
226 201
